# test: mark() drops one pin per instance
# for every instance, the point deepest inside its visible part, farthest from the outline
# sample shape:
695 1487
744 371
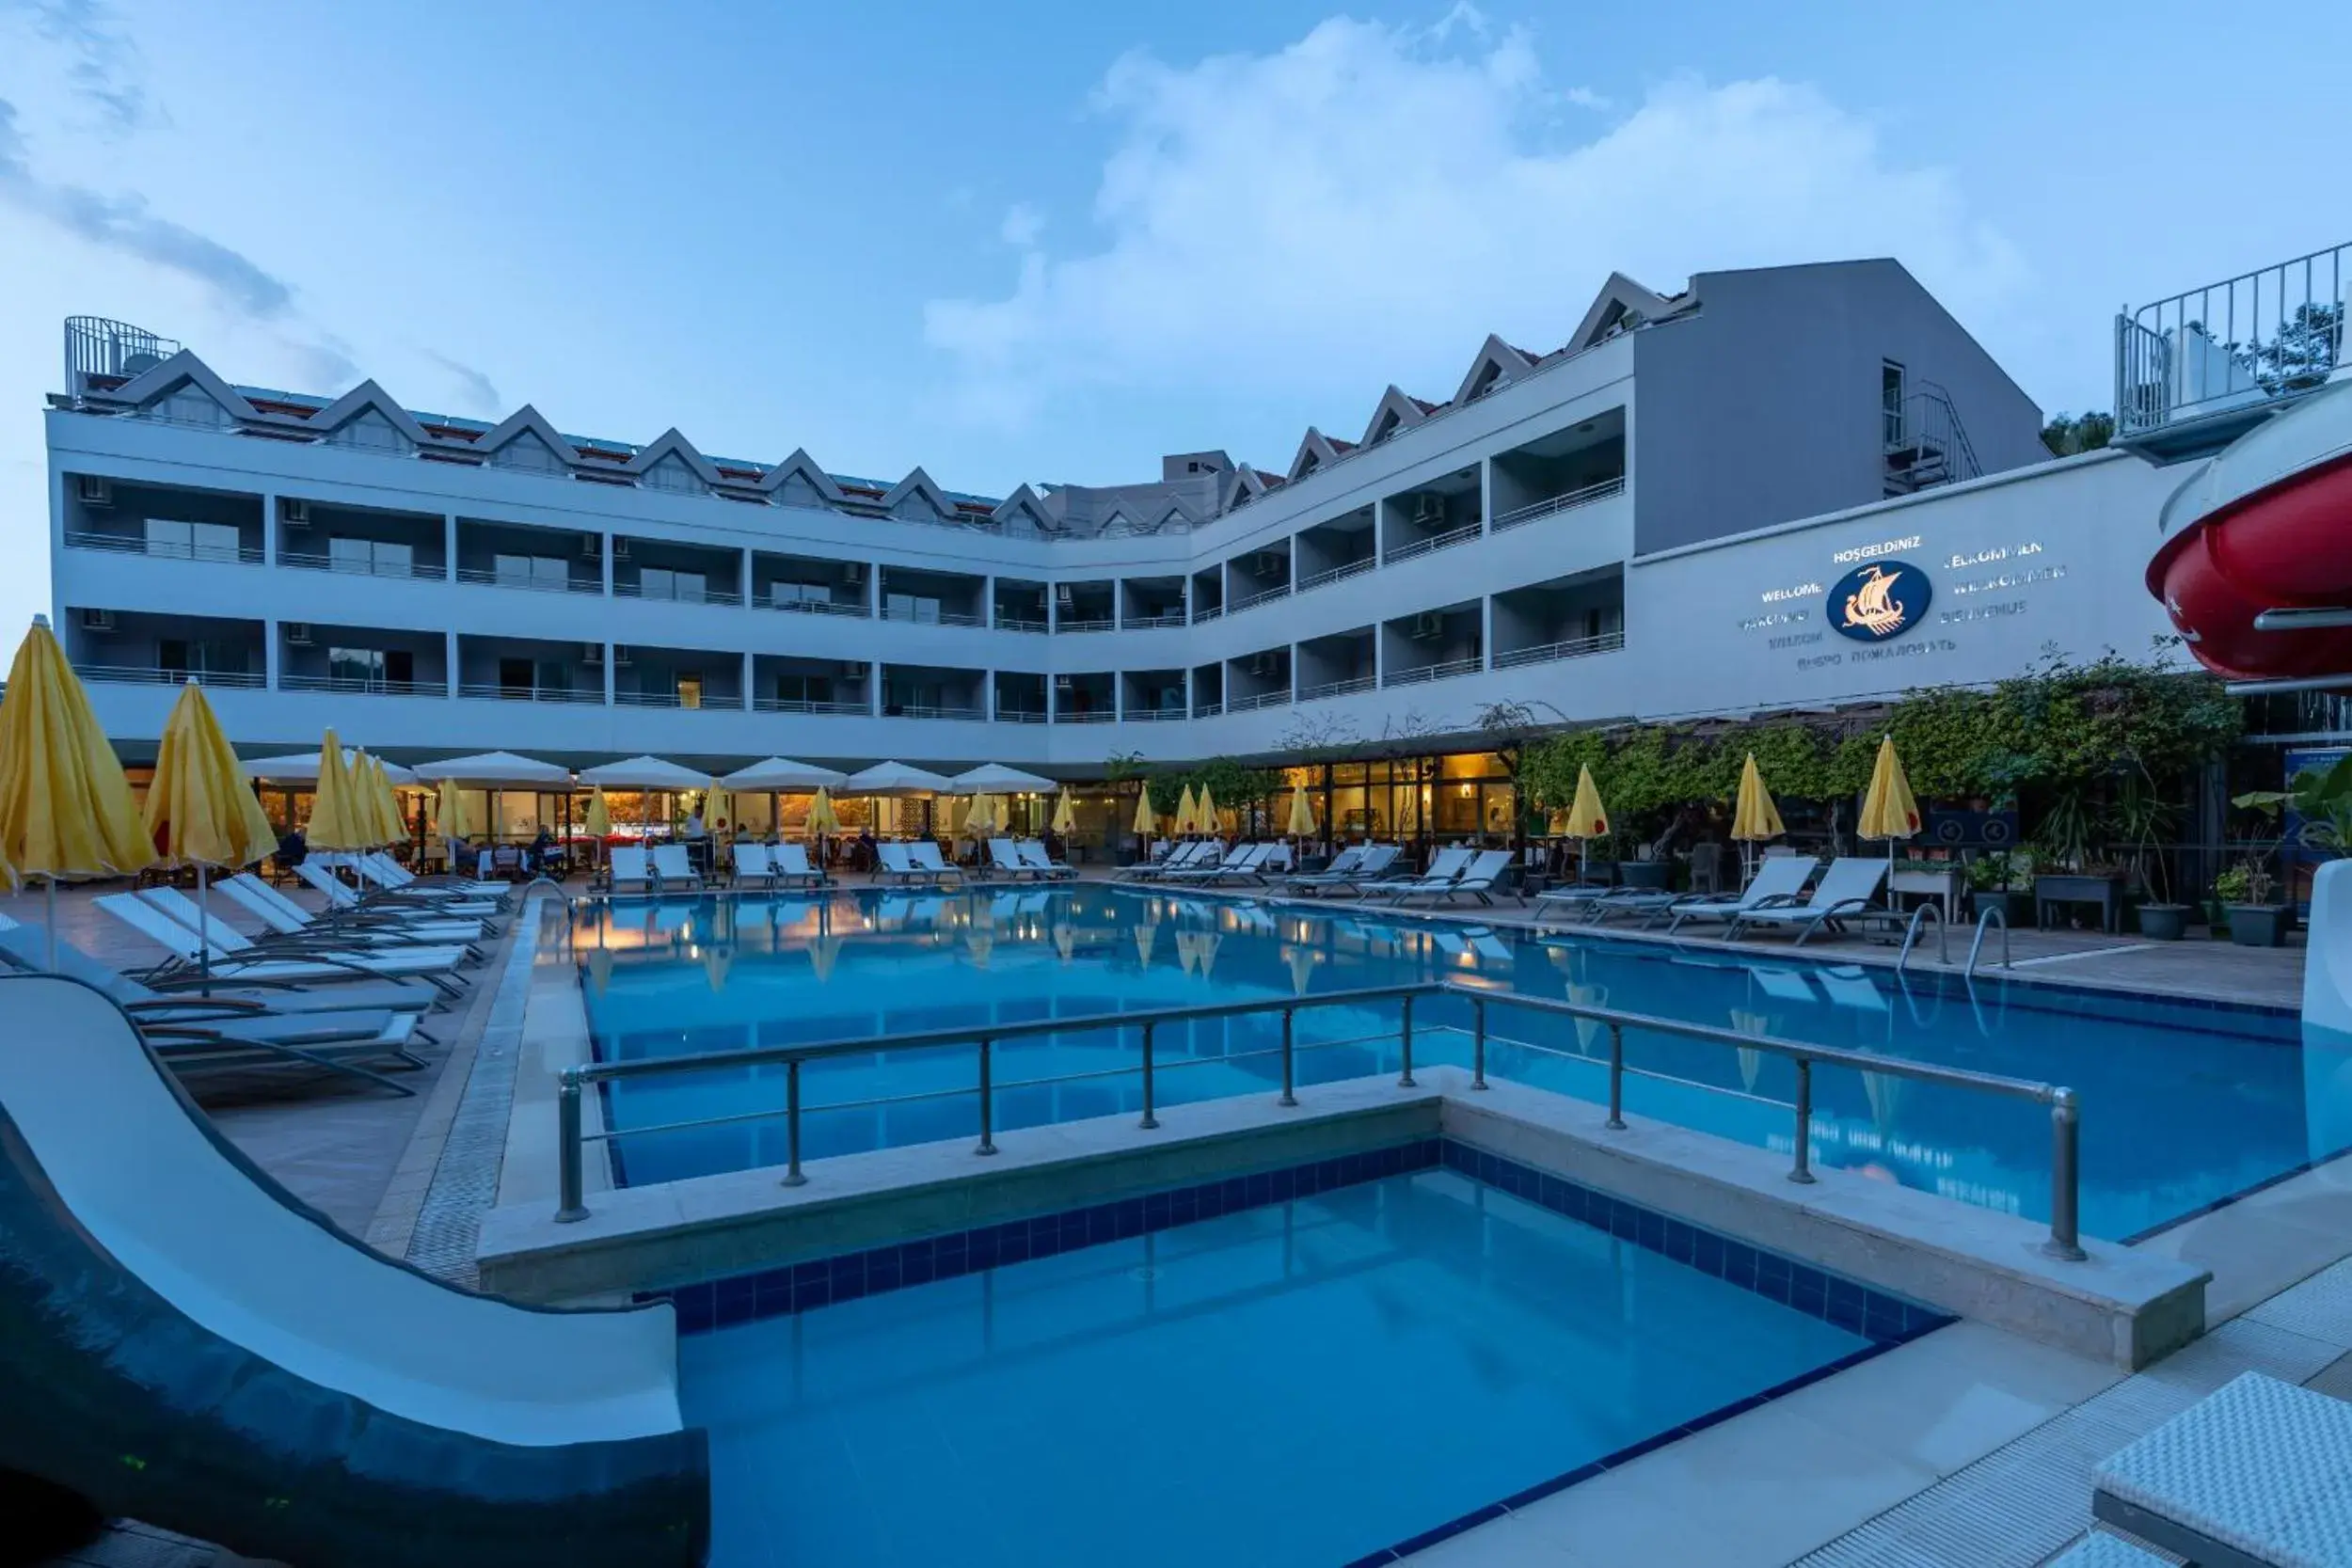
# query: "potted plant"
2323 803
1990 878
2142 817
2244 893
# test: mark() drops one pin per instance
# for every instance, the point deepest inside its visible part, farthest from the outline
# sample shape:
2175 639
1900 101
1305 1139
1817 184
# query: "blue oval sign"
1880 600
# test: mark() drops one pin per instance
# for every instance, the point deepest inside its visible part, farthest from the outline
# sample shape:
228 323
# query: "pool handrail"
2065 1107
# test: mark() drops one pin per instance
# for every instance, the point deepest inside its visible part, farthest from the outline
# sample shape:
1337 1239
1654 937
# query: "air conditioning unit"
621 655
591 546
297 634
1063 683
854 573
592 653
294 511
93 490
1062 594
1428 623
852 669
1261 664
1428 511
620 549
98 620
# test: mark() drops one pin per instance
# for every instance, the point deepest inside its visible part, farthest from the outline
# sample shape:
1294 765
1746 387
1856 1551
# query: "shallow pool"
1303 1382
2182 1104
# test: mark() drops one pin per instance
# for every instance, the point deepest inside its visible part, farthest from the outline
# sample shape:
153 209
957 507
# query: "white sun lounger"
1477 878
343 897
2258 1472
1848 887
26 947
924 852
1445 868
628 869
673 868
1003 857
1247 863
1375 862
388 916
226 940
1780 877
290 919
435 965
789 863
1187 854
1034 858
892 863
389 874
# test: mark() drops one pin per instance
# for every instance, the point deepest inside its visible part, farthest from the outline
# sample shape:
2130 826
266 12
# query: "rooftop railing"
2064 1243
1565 501
1574 647
2229 353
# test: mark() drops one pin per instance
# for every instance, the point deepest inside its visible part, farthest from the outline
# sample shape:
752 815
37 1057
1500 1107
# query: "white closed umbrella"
996 779
645 772
782 776
495 771
894 779
304 769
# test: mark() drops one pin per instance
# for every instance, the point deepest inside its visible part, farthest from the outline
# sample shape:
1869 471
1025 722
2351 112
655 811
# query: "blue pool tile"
1183 1207
1258 1191
1624 1220
1706 1253
951 1251
1561 1483
1740 1264
1448 1531
914 1270
1283 1184
734 1302
881 1269
1130 1217
804 1297
1772 1266
1681 1240
1012 1247
1214 1202
1649 1231
847 1273
772 1294
694 1305
1155 1211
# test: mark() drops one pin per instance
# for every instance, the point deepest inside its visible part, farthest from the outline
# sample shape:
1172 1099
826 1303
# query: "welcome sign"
1878 600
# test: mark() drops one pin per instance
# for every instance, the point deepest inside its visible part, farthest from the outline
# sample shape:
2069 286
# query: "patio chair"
435 965
25 946
925 856
1479 878
391 876
1444 868
1377 861
1003 857
1848 887
1780 877
753 866
892 863
1245 863
1175 858
1034 858
289 918
674 868
342 898
789 863
628 869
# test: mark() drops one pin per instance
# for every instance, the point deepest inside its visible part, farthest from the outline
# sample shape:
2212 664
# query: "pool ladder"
1992 916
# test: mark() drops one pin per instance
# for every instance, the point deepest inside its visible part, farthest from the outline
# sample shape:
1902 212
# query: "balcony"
1558 471
137 648
676 677
808 585
529 559
1021 606
530 670
1431 543
362 661
1255 680
1152 696
1020 697
1259 577
1433 517
726 701
1087 699
362 686
1149 602
1575 647
934 599
369 564
361 541
2198 369
132 675
929 613
931 692
168 547
498 693
165 522
1258 700
791 683
1567 617
1085 607
1433 646
813 709
681 572
1534 511
1346 686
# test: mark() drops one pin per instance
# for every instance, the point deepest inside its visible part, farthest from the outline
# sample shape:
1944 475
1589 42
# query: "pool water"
1300 1383
2182 1104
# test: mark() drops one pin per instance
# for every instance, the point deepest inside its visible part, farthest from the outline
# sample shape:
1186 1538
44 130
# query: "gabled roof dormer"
1024 512
368 418
1621 306
526 442
1173 516
798 482
1119 524
1498 364
917 499
182 390
671 462
1241 486
1318 451
1398 410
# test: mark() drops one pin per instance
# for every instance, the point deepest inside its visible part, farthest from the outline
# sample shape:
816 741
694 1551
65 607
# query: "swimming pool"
2183 1103
1306 1381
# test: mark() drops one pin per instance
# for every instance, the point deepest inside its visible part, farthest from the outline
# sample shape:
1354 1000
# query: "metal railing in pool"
2065 1108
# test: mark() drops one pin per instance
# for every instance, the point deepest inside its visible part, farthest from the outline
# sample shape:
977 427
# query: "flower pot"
2258 924
2164 922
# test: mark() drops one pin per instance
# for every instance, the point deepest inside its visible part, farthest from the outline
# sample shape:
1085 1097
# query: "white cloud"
1022 226
1368 202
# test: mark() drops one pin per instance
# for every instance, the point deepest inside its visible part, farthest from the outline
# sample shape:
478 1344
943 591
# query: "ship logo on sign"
1881 600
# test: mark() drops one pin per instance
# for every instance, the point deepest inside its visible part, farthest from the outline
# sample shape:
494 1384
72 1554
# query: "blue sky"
1052 241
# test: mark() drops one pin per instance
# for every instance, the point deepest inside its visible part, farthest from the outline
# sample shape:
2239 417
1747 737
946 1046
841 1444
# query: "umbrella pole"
203 935
50 921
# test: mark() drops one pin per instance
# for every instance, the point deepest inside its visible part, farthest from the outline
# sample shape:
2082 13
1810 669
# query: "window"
547 571
375 669
1891 400
198 656
660 582
788 596
515 677
184 540
910 606
370 557
803 688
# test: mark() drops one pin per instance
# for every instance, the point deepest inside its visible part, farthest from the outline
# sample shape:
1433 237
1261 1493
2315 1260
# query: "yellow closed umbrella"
394 830
1888 811
332 825
1754 817
1302 822
65 811
449 815
821 817
1065 813
1586 820
1187 814
200 811
374 794
1206 806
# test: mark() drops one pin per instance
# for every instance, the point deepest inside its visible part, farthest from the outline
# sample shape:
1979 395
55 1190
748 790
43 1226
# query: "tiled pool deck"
1971 1446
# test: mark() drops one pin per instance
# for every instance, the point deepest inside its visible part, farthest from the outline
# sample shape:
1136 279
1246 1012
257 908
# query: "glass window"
355 664
1471 764
550 572
662 582
184 541
910 606
787 594
371 557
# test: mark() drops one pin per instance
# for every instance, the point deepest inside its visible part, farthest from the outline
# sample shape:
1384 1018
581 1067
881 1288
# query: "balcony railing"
1085 716
1017 622
931 710
1146 623
623 590
2233 351
362 686
1022 716
1070 627
802 705
823 607
1201 617
1153 715
1347 687
305 561
1568 500
138 674
162 549
1445 670
1338 574
491 692
1575 647
1435 542
930 617
1253 601
1276 697
1207 710
726 701
491 578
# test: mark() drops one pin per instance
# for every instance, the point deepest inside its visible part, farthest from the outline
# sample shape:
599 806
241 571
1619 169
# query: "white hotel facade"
1648 520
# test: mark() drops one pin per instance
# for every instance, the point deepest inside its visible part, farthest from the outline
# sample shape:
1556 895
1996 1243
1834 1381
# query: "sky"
1052 241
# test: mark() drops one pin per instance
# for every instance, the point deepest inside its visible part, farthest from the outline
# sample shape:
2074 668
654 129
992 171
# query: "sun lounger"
753 864
1005 860
628 869
1034 858
673 868
1780 877
390 875
289 918
387 915
26 947
1245 864
789 863
1848 887
1371 862
344 898
2253 1473
1342 865
1478 879
226 940
1176 859
892 863
924 853
1445 868
437 964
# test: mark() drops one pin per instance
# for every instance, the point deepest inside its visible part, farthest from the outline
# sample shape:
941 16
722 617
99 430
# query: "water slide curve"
184 1342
